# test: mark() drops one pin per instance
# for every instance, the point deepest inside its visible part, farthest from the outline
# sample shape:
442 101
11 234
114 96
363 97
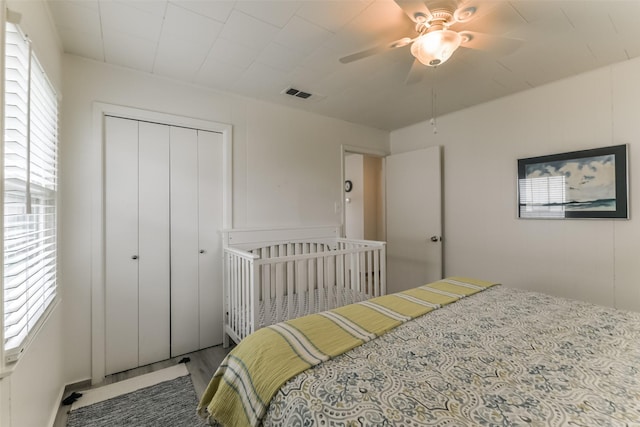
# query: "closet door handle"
201 251
134 257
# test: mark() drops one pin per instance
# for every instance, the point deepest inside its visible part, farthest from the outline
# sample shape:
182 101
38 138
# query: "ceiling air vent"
297 93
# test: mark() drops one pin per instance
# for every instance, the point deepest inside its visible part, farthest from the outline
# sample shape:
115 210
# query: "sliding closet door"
121 240
184 241
210 237
153 235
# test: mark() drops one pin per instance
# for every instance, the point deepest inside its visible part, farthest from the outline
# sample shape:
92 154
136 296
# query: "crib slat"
229 290
383 271
320 281
290 282
243 302
246 297
236 284
311 292
249 292
248 300
350 275
325 283
240 313
302 282
234 295
332 271
370 272
359 274
300 285
275 279
270 289
339 293
342 281
355 274
280 277
376 279
266 294
228 287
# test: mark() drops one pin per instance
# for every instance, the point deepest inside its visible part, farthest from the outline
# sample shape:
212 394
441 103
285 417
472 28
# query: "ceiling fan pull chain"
433 109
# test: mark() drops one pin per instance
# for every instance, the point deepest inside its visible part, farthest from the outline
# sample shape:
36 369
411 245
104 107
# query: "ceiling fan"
440 31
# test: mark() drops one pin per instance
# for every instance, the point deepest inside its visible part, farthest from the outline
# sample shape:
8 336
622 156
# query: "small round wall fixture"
348 186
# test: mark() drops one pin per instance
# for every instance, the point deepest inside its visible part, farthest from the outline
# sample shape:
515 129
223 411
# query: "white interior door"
185 312
121 244
210 238
153 236
414 219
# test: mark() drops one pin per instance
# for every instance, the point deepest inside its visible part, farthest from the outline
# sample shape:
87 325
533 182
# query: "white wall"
30 395
591 260
287 168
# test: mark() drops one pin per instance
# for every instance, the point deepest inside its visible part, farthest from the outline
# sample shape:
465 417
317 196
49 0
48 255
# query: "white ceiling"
258 48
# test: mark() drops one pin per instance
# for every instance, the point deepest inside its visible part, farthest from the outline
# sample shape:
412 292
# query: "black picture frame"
579 184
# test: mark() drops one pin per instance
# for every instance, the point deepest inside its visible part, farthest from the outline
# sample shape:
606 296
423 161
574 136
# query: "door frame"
353 149
100 110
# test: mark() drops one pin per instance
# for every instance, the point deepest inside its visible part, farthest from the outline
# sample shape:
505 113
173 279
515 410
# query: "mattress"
502 357
337 294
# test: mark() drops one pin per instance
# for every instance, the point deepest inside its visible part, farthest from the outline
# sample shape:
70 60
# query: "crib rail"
282 281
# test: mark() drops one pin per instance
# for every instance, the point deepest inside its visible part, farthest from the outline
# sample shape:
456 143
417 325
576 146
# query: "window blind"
543 197
30 191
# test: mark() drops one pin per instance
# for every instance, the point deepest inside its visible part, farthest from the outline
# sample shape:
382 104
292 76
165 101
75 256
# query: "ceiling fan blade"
494 44
415 73
473 9
376 49
413 7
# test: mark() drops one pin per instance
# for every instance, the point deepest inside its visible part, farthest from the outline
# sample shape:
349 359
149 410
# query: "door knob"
134 257
435 238
201 251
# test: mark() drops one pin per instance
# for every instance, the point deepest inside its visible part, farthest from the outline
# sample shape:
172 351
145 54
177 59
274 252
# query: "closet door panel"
184 241
121 244
154 262
210 227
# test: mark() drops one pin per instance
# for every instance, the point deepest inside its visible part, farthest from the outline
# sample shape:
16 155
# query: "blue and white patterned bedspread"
503 357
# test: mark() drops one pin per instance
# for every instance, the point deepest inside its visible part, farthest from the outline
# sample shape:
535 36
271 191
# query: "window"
30 192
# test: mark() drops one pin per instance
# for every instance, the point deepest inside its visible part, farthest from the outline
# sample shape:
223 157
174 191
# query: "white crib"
276 275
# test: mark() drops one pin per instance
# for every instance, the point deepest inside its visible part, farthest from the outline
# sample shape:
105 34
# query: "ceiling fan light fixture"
435 47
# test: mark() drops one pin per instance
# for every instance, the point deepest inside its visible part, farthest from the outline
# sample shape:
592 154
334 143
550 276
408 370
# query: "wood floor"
202 365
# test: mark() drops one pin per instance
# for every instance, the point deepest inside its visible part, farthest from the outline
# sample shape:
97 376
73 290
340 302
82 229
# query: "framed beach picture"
580 184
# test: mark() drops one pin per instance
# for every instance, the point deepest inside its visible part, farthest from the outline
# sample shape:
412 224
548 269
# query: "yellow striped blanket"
242 387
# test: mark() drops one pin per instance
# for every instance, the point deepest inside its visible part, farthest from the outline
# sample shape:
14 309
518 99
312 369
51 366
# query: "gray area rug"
169 403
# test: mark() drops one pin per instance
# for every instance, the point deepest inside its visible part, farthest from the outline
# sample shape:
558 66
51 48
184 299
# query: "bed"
279 274
458 352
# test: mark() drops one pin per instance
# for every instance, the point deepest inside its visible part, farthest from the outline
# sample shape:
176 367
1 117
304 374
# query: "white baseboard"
54 414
